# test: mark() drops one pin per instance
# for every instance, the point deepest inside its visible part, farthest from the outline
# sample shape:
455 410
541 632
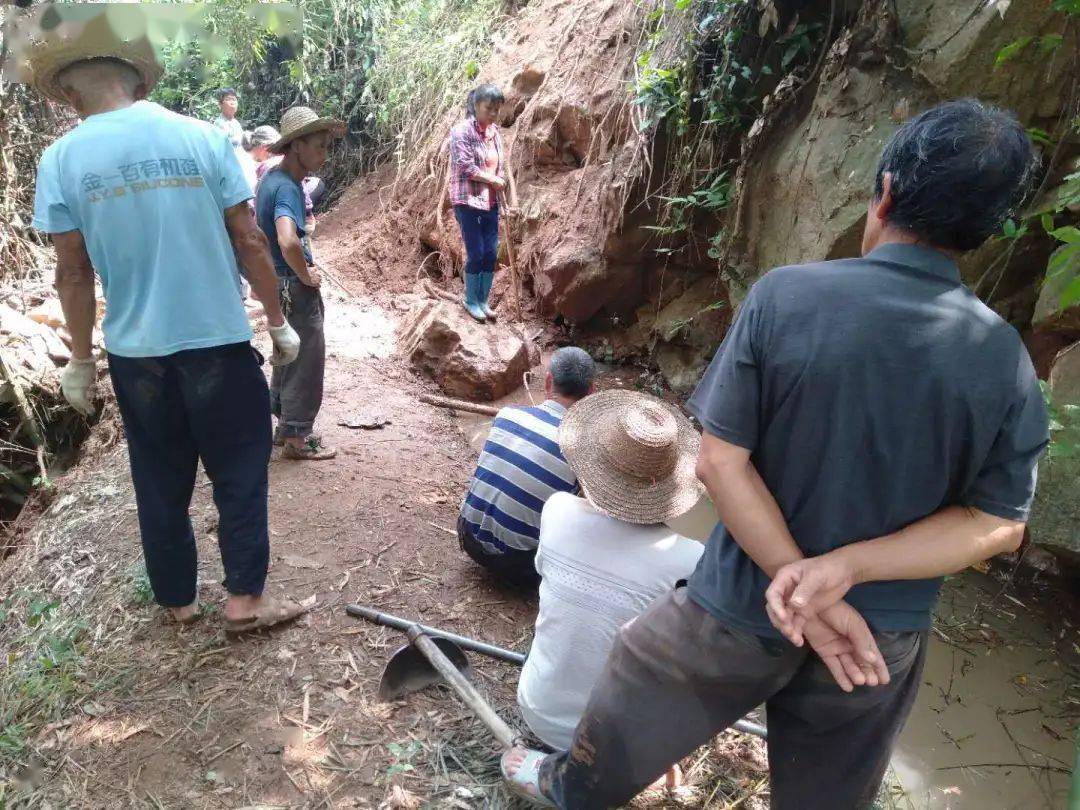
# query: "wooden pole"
514 280
505 735
458 404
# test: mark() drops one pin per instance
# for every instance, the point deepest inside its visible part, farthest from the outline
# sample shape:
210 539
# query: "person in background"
314 189
226 121
852 469
156 203
605 557
296 392
256 153
520 467
477 175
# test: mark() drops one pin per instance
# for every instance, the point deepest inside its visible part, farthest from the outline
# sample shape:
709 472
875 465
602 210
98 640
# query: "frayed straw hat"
300 121
633 454
49 54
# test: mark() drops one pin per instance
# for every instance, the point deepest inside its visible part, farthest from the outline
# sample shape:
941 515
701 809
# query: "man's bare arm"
292 250
75 286
750 513
745 505
254 253
943 543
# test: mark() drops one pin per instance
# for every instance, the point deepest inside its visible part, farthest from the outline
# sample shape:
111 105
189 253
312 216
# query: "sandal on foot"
526 782
279 440
311 450
269 614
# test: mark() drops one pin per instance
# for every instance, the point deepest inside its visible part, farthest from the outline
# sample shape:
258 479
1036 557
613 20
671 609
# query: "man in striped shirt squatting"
520 467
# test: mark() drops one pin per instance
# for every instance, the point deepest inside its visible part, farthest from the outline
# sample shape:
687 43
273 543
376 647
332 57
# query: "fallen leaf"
295 561
366 419
400 799
93 709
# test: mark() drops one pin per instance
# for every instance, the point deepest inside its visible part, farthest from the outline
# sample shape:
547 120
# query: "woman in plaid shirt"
476 178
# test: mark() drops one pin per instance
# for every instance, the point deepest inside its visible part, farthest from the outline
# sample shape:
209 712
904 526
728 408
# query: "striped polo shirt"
520 467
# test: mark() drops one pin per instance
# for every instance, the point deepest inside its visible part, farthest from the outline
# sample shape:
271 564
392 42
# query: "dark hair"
958 170
225 92
572 371
485 92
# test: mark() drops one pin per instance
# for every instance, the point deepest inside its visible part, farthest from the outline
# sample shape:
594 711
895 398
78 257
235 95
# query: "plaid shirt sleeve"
464 151
466 160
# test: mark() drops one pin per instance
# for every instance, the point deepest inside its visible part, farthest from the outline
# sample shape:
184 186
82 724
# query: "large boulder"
466 359
1055 519
688 330
808 186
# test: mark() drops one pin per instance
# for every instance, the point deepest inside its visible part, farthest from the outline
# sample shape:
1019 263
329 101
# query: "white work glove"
286 344
76 381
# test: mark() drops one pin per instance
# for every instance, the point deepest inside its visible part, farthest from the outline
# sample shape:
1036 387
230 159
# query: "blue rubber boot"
472 296
486 280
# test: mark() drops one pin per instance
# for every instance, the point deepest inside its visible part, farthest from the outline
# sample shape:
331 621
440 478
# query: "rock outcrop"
466 359
1055 519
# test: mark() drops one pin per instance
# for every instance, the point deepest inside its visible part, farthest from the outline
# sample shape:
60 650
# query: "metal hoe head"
409 671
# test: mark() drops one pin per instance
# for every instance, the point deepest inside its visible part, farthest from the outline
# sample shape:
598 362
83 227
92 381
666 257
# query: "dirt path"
114 707
185 717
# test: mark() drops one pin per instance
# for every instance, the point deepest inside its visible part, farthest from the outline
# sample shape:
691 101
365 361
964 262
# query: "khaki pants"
296 390
678 676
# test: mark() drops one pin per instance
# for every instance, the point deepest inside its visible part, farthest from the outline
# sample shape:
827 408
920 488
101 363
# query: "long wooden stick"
505 735
459 404
515 281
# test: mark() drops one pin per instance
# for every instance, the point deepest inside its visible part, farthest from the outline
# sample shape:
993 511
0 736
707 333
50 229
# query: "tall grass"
428 53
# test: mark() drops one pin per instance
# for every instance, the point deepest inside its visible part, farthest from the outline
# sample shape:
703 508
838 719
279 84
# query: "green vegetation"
1063 267
388 68
42 668
701 77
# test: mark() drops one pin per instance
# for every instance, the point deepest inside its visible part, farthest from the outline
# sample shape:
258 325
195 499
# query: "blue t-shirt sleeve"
51 212
234 186
727 400
289 202
1005 484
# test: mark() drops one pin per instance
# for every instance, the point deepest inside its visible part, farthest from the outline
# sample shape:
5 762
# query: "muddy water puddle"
996 717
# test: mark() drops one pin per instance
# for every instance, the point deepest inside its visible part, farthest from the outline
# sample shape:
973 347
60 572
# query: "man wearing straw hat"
605 557
156 203
870 427
296 391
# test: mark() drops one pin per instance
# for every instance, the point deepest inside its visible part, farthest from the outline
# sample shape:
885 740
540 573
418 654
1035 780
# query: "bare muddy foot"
186 614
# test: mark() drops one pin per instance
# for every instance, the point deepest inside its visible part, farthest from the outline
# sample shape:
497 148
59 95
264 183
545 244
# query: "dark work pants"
678 676
517 568
480 233
296 390
208 404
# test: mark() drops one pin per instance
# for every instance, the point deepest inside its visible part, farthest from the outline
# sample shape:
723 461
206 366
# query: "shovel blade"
409 671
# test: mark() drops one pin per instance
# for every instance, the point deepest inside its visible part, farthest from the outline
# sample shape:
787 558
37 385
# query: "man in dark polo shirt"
870 426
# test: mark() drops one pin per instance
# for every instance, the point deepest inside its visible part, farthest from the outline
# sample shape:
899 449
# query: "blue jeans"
209 404
480 232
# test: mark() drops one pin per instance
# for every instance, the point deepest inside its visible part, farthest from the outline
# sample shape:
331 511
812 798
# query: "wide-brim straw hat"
300 121
633 454
49 54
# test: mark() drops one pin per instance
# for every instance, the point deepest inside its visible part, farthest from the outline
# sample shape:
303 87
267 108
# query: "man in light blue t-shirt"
156 203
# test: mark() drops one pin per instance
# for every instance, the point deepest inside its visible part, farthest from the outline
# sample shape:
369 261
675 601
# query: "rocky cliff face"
587 171
590 172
